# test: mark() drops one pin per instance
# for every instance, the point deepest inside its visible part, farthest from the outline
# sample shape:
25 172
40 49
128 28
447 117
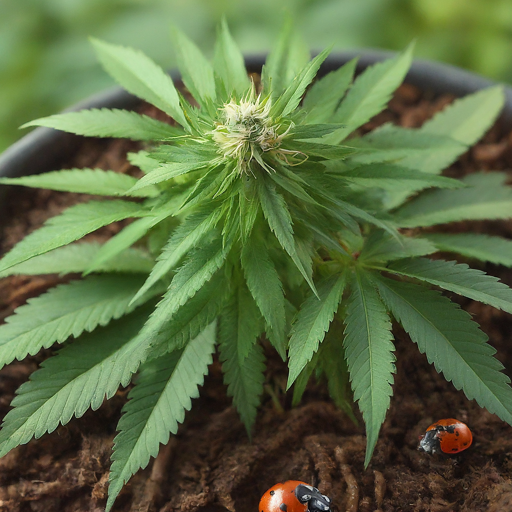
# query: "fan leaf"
79 377
69 226
457 278
141 76
369 353
452 342
311 324
156 405
106 122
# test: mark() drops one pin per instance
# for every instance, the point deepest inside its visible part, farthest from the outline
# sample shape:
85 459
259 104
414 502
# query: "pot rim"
43 148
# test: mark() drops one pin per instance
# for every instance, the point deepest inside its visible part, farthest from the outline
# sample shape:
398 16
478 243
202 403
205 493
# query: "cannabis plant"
262 212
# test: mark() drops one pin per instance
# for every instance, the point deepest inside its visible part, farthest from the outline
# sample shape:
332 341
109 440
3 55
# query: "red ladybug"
446 436
294 496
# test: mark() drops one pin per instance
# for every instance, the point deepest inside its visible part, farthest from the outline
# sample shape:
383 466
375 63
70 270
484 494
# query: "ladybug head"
316 501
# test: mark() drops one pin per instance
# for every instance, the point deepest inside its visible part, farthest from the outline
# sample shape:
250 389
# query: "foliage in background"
45 64
260 213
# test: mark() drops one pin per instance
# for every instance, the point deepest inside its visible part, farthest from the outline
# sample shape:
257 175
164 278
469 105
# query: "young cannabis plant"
262 211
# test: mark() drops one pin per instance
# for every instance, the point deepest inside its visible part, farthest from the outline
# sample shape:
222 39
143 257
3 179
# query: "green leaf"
410 148
156 405
325 94
370 93
131 234
292 96
243 363
493 249
64 311
106 122
79 377
324 151
142 77
486 197
193 317
391 177
280 222
165 172
311 324
229 63
82 181
197 270
196 71
452 341
457 278
187 236
369 353
72 224
266 288
380 246
76 258
467 119
312 131
284 61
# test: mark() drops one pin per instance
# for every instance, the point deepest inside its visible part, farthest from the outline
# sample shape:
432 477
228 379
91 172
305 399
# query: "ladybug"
446 436
294 496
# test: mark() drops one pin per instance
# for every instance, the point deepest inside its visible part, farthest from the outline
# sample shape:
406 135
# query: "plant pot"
314 442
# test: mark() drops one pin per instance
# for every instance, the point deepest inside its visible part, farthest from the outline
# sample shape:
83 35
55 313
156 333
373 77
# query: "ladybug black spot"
272 493
283 507
457 433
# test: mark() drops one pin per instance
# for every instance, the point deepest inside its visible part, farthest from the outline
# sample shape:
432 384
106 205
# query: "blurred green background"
46 62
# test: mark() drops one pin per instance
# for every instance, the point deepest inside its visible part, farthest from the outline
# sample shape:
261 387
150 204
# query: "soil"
211 466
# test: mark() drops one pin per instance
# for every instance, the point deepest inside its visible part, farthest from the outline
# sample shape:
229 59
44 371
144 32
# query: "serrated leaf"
165 172
452 342
266 288
370 93
325 94
311 324
82 181
76 258
468 118
71 225
292 96
229 63
285 60
192 318
369 353
79 377
106 122
410 148
280 222
493 249
457 278
392 177
197 270
312 131
380 246
64 311
187 236
156 405
141 76
324 151
196 71
241 356
486 197
131 234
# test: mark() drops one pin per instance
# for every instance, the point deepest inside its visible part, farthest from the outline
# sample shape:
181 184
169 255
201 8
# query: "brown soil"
211 466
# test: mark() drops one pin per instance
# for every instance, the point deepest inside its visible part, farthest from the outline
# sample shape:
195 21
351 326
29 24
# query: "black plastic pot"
44 148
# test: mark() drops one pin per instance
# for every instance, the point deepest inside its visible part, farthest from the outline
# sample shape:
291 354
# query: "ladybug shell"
282 498
447 436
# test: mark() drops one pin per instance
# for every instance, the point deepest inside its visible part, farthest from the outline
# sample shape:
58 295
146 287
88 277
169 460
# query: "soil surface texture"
211 466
